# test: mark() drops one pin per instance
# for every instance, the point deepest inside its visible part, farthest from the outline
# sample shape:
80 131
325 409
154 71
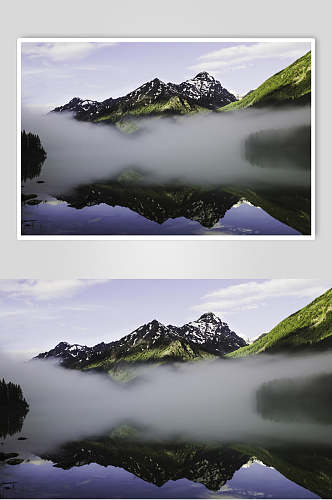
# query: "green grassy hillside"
308 329
172 106
123 366
291 84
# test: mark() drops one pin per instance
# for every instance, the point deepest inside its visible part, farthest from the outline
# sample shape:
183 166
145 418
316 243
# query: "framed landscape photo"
172 138
223 393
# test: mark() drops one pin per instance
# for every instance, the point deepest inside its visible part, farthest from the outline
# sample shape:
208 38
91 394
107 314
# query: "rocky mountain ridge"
154 98
207 337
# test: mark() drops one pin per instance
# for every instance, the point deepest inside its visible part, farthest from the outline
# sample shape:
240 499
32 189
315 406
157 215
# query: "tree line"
33 155
31 142
11 395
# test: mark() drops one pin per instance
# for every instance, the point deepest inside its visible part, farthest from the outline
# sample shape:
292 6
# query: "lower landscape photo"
166 388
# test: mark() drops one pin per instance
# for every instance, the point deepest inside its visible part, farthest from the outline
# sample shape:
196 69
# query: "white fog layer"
206 401
205 148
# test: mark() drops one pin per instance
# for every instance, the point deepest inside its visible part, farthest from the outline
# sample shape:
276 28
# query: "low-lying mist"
199 401
202 149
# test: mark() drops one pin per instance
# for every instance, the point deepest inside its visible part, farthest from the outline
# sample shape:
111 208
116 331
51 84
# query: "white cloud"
44 289
95 67
31 312
254 294
241 55
82 307
8 314
61 51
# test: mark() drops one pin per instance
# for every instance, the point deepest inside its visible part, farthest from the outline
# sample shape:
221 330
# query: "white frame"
211 237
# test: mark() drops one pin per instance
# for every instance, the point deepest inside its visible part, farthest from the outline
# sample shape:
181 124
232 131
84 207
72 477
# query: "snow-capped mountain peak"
75 100
151 332
211 333
204 75
62 345
209 317
205 89
66 351
85 108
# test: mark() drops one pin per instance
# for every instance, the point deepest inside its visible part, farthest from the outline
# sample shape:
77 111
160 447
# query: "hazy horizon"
167 150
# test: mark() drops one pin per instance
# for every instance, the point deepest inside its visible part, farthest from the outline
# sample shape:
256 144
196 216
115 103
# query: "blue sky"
53 73
35 315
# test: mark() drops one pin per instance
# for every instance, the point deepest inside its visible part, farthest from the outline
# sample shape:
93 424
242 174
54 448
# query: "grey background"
165 259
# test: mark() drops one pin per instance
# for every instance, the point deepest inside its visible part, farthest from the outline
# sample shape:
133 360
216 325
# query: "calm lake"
243 175
166 436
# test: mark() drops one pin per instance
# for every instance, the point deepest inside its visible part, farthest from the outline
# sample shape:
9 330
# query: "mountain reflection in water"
122 465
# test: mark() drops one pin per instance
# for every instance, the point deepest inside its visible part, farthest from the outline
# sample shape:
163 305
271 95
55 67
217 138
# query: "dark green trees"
33 155
11 395
300 399
13 408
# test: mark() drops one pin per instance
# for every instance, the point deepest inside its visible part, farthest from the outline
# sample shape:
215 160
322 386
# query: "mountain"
206 91
307 330
211 334
291 85
200 93
208 337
